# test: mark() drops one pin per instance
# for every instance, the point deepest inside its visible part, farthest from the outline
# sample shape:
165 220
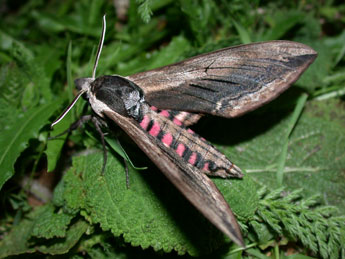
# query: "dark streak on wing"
227 82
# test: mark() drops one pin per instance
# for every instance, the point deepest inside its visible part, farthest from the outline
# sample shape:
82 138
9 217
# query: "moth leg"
75 125
98 124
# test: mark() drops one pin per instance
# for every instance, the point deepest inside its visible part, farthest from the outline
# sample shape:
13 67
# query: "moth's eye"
83 83
78 83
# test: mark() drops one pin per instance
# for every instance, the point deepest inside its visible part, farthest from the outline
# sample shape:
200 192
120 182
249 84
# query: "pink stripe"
167 139
192 158
155 129
190 131
177 122
180 149
165 113
153 108
145 122
205 167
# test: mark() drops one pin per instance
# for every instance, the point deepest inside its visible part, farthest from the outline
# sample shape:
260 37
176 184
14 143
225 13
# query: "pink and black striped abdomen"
166 127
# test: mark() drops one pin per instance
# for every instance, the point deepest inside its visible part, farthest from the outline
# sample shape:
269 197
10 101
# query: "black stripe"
212 166
160 134
174 144
187 153
150 125
199 162
172 114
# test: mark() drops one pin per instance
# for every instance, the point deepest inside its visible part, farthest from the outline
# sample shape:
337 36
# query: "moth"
156 107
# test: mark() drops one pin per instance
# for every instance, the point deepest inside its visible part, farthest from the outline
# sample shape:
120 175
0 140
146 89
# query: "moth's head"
84 84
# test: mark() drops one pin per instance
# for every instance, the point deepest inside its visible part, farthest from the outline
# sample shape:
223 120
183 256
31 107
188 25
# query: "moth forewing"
227 82
194 185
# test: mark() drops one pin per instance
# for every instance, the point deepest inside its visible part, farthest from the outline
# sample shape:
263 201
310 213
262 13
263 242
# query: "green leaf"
309 224
19 241
144 9
49 223
119 150
14 138
241 195
62 246
149 212
315 156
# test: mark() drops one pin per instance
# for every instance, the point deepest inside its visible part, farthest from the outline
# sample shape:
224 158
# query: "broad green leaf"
151 212
14 138
316 150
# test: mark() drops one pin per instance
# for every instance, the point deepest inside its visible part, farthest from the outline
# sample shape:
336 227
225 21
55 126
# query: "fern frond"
299 219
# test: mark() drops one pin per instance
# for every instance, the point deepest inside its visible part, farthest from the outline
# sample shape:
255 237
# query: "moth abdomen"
170 133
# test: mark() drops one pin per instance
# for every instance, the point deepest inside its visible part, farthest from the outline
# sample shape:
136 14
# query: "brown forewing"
193 184
228 82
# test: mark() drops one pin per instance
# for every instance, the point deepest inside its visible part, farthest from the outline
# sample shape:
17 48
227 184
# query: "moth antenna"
100 46
99 50
68 108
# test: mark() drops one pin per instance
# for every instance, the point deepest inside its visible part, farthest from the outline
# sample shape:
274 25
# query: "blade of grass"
69 73
242 32
294 118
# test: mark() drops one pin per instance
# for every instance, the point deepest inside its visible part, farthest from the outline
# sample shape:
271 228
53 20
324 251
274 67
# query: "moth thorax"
120 94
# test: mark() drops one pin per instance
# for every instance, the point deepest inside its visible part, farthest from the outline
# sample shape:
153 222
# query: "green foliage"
292 150
291 215
144 9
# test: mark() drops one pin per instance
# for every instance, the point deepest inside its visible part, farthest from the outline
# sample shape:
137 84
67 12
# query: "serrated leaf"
50 223
14 138
146 214
63 245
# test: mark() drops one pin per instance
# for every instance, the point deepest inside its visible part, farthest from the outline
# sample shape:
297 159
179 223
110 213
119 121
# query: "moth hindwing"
156 107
